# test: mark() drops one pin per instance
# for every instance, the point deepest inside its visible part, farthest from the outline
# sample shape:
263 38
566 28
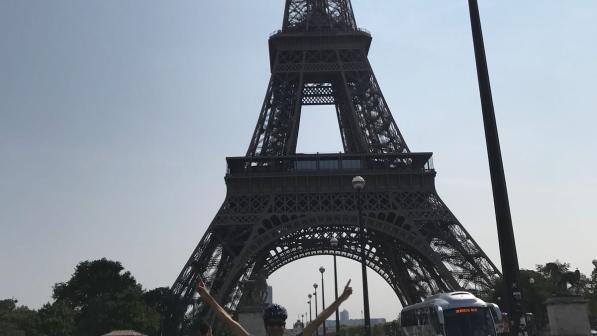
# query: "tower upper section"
318 16
320 58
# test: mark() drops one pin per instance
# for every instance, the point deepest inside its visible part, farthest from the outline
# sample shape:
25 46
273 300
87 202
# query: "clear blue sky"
116 118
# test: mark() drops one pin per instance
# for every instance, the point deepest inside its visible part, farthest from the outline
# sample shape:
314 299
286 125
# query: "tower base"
568 316
251 318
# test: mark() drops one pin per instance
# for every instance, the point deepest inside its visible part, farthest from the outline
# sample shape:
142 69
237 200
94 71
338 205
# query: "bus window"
473 321
436 319
496 313
440 315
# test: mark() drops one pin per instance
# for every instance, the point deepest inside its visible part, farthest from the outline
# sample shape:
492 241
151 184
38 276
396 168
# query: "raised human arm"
222 314
313 325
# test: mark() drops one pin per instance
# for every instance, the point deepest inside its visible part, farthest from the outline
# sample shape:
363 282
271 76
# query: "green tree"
57 319
15 319
545 269
161 299
105 297
536 289
166 303
124 310
542 286
93 279
592 296
7 305
378 330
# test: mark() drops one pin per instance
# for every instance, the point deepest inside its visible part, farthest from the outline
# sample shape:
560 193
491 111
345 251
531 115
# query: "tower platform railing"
323 32
320 162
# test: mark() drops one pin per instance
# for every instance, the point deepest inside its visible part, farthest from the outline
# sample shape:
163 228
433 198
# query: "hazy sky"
116 118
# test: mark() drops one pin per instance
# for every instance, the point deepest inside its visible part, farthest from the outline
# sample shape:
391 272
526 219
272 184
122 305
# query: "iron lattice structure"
282 206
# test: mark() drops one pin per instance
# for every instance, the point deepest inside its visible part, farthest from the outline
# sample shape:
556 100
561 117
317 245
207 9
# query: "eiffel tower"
282 206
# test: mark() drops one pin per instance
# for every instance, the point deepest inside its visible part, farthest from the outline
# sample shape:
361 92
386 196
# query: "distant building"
344 315
298 325
270 296
331 324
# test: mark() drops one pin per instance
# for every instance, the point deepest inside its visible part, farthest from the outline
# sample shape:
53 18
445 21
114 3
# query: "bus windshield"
473 321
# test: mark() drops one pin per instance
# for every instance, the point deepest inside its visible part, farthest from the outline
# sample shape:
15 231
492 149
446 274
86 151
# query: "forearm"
223 315
213 304
327 312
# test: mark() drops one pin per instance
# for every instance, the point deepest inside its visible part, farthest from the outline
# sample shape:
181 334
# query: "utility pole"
509 258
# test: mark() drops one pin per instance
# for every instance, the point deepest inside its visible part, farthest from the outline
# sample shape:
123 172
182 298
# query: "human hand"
200 285
347 291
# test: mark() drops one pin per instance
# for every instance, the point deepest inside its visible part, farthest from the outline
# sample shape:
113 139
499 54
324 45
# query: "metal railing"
306 163
324 32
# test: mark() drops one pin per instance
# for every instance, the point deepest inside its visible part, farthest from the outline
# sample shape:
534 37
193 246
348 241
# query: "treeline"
542 283
99 297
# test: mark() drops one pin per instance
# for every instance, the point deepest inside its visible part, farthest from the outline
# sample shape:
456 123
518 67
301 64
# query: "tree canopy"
92 279
99 297
538 285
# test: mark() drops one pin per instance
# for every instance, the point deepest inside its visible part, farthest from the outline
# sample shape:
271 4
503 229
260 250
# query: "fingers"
200 283
347 290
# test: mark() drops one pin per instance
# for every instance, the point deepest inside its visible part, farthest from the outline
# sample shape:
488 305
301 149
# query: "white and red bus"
450 314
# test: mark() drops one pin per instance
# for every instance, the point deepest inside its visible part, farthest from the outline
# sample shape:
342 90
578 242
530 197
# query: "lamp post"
315 294
321 270
358 183
512 294
309 302
334 243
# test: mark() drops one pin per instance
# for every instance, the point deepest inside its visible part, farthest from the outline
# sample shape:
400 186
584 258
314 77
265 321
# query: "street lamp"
358 183
334 243
321 270
309 302
315 294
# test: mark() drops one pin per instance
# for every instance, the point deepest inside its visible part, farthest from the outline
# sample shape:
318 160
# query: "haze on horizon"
116 118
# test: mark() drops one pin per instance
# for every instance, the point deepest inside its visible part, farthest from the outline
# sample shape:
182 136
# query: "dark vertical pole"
364 267
310 317
508 254
322 301
315 293
336 292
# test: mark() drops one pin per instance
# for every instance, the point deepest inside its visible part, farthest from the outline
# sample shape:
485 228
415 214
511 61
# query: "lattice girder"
314 65
278 201
380 255
318 16
340 77
414 242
